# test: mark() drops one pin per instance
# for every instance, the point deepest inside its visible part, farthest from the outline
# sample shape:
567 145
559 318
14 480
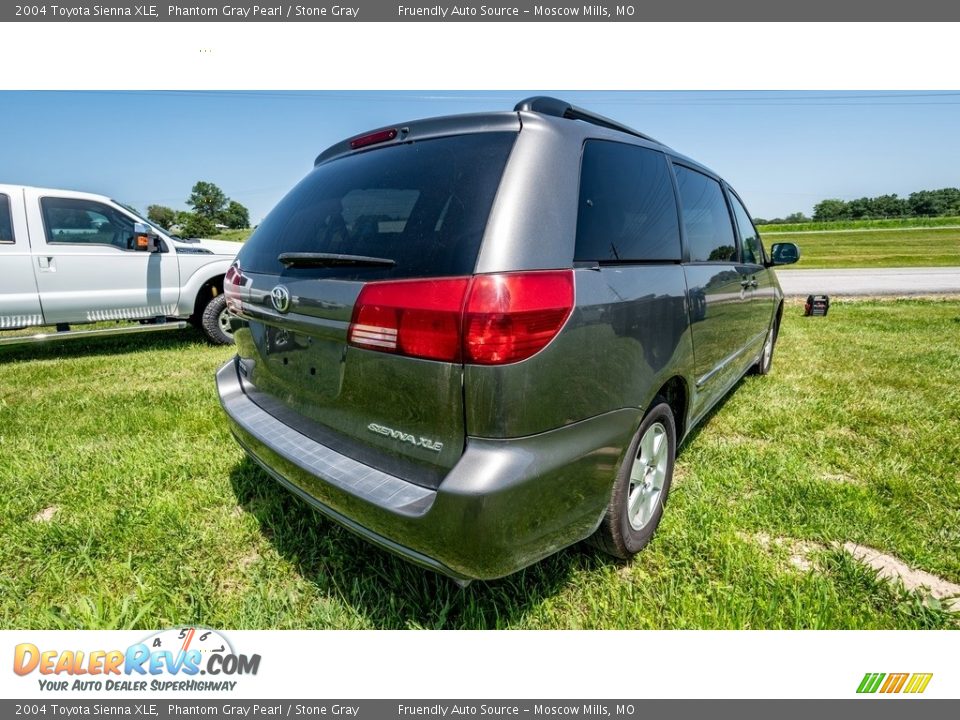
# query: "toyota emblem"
280 297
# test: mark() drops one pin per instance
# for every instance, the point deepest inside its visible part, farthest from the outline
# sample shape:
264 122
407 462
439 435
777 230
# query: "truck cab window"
77 221
6 223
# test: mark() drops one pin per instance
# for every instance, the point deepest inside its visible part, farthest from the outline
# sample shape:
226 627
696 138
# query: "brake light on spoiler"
484 320
372 139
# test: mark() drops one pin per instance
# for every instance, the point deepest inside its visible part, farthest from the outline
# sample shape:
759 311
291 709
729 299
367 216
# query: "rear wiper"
310 259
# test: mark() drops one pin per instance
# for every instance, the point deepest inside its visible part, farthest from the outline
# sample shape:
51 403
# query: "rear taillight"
485 320
512 316
420 318
232 282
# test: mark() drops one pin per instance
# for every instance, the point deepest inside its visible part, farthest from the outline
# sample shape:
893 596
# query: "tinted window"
423 205
706 219
73 221
627 209
750 238
6 222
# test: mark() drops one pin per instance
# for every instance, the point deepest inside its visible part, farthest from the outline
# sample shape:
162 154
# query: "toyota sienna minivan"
478 339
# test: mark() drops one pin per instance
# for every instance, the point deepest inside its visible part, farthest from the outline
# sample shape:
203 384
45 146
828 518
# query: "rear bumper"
504 505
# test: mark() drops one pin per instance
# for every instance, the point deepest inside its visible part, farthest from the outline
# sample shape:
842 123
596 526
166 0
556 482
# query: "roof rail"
563 109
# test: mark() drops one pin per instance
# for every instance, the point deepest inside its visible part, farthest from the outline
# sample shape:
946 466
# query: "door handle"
744 283
753 282
47 263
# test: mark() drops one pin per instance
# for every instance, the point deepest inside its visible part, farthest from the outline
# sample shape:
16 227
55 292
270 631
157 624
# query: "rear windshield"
423 205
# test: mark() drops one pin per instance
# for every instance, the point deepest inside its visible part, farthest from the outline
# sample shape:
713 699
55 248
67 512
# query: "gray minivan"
478 339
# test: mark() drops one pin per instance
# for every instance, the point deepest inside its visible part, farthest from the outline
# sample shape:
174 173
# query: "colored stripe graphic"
894 683
870 682
918 682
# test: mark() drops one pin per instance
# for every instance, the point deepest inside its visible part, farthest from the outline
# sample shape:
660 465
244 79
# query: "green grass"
862 224
160 520
878 248
234 235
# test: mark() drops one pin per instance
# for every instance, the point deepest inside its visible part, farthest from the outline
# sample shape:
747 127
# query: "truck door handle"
47 263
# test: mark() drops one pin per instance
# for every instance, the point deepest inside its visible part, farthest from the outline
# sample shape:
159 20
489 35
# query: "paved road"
871 281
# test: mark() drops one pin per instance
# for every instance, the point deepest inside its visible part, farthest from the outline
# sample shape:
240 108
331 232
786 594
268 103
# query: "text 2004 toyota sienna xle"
478 339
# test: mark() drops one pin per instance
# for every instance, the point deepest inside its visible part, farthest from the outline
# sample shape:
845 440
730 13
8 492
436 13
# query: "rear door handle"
47 263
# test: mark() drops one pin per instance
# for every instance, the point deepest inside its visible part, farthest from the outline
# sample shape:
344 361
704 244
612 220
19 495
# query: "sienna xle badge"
476 340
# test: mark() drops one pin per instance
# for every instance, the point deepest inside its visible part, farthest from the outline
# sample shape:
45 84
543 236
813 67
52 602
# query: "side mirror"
784 254
144 239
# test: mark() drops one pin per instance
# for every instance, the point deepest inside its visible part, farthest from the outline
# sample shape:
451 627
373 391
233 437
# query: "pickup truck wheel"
215 321
642 485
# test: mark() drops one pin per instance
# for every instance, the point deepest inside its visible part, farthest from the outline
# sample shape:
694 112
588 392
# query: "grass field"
909 247
124 502
234 235
864 224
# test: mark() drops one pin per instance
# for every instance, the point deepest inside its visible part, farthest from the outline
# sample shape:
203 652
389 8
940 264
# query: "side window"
706 219
6 221
627 208
752 248
75 221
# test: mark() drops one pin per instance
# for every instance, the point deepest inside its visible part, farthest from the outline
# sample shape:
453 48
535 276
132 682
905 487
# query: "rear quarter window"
627 208
423 205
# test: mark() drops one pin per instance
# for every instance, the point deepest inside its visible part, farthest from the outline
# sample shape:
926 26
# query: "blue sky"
783 151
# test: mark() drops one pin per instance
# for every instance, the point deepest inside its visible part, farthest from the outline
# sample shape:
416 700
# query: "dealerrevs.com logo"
180 659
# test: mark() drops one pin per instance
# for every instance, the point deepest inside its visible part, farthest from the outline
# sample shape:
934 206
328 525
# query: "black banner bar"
472 11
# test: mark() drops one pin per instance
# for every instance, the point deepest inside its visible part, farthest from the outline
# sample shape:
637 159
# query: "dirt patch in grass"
236 580
890 568
799 553
840 478
46 515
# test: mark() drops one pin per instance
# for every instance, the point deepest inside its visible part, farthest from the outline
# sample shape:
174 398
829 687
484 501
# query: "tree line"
924 203
211 207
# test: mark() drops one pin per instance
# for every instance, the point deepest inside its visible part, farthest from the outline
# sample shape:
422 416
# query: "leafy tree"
951 200
236 216
889 206
207 201
859 208
945 201
831 209
162 216
196 225
797 217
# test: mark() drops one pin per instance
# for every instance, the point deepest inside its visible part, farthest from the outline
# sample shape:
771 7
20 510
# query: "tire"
214 323
623 533
765 362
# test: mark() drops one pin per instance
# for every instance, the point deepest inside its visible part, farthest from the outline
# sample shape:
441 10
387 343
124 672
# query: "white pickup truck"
70 258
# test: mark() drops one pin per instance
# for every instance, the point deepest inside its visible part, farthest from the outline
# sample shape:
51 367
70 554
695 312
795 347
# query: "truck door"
87 267
19 301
